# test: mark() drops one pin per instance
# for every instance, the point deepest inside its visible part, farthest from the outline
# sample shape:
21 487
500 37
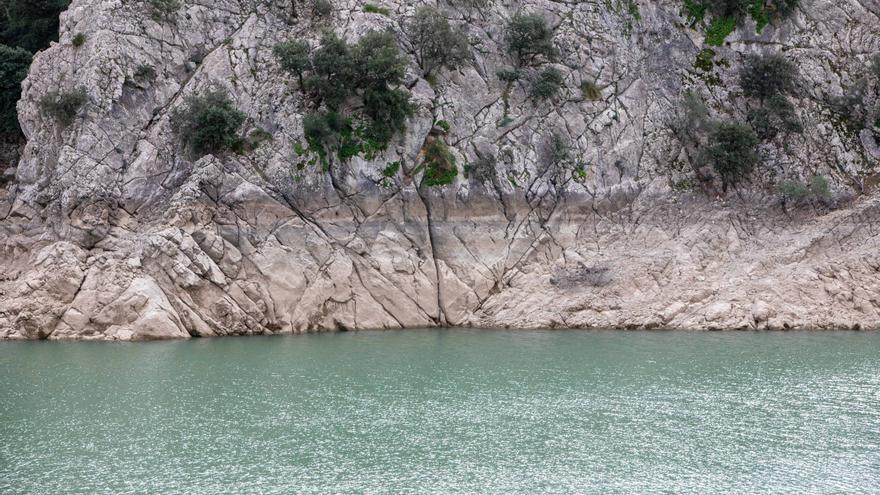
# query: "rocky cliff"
590 209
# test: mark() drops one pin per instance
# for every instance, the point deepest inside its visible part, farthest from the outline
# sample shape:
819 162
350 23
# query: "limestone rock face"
110 231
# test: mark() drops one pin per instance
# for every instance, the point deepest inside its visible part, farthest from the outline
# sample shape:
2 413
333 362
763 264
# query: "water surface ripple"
445 411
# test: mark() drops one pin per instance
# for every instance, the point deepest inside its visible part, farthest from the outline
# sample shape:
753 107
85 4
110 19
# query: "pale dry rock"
109 231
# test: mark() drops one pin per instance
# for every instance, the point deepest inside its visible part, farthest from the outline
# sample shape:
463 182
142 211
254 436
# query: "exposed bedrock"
110 230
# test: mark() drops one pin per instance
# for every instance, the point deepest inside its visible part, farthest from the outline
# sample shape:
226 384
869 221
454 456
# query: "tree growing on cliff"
528 37
293 56
435 43
208 123
732 152
763 76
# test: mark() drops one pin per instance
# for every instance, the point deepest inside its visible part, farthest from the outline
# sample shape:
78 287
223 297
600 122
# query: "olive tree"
436 44
528 36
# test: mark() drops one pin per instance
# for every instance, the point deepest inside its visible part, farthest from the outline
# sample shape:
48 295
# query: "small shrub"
79 40
591 91
375 9
14 64
508 75
64 106
695 11
443 125
482 169
144 72
529 36
557 151
323 130
776 116
732 152
705 60
763 76
322 9
795 191
163 10
391 169
208 123
435 42
440 168
547 85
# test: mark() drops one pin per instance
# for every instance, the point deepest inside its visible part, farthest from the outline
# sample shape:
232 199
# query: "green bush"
795 191
732 152
557 151
719 30
508 75
64 106
14 63
79 40
208 123
763 76
145 72
482 169
334 70
391 169
440 168
776 116
528 36
435 42
293 57
375 9
379 60
547 85
388 110
322 9
30 24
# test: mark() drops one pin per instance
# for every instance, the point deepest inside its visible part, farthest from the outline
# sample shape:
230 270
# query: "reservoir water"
445 411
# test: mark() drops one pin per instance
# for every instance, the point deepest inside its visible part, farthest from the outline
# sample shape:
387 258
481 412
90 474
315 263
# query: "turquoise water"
445 411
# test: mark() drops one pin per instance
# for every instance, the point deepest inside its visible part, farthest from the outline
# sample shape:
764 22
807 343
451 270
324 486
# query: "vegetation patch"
14 63
548 84
435 43
719 29
375 9
591 91
529 37
440 167
705 60
334 73
64 106
208 123
732 152
794 191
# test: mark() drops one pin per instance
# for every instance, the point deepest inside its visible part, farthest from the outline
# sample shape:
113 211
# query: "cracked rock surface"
110 231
